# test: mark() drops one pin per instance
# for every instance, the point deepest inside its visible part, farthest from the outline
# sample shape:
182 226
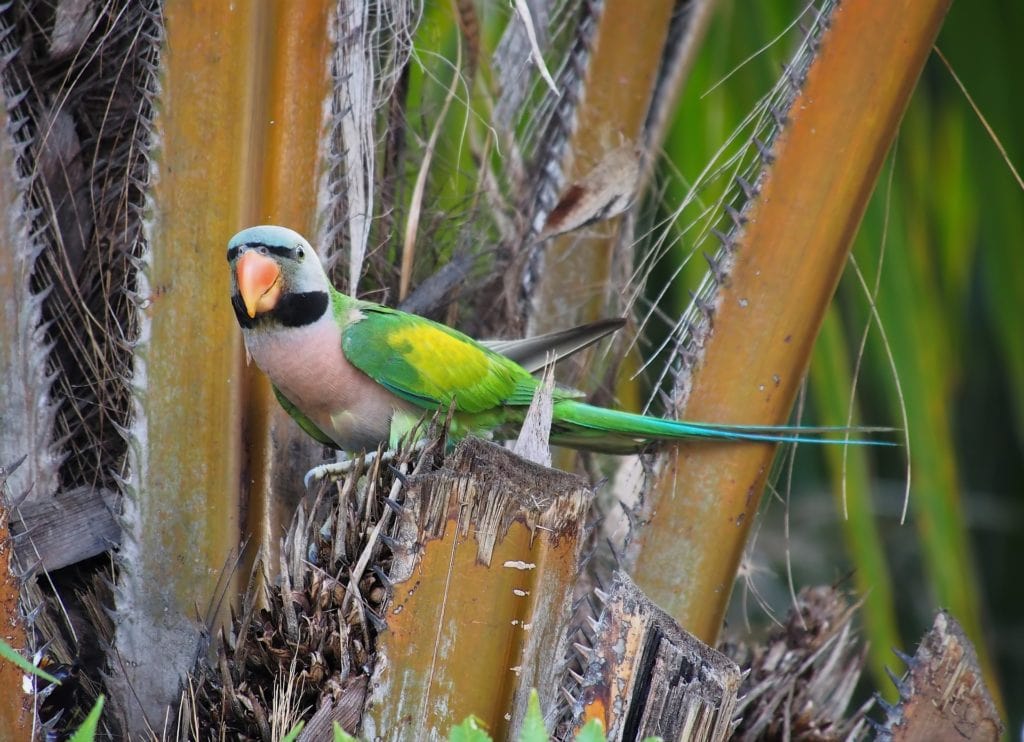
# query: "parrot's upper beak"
258 282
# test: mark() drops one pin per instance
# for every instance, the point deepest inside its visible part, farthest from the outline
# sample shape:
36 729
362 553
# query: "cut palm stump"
645 676
942 694
485 558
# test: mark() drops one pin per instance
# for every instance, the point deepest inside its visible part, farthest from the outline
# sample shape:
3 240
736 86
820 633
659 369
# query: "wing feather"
304 422
429 364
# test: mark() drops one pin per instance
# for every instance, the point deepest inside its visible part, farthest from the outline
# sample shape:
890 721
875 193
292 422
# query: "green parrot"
354 374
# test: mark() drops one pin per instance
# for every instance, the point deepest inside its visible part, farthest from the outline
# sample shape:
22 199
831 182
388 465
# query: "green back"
431 365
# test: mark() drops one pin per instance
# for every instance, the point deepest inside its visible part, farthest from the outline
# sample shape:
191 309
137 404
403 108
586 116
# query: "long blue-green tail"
579 425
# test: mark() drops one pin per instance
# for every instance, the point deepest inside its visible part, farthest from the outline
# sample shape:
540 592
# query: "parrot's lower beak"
258 282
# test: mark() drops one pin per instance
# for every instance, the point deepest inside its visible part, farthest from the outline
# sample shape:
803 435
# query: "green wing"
304 422
431 365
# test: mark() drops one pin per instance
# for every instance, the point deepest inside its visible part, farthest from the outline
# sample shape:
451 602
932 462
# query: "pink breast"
307 365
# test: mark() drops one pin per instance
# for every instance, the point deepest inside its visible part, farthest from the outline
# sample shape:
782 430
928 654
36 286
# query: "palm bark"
788 258
242 91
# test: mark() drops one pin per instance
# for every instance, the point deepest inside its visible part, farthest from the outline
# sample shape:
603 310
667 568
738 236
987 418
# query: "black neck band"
292 310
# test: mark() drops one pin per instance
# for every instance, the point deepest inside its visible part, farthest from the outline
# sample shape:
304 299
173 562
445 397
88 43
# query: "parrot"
354 374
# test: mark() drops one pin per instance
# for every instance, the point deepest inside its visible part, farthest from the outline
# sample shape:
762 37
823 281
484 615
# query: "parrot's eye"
299 254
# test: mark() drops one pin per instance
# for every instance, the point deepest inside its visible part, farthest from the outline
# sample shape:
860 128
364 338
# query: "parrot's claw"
337 469
334 470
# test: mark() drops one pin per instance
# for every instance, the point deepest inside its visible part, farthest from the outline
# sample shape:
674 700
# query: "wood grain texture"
68 528
238 81
647 677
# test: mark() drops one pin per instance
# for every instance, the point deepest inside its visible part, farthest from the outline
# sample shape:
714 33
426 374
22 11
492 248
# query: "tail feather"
580 425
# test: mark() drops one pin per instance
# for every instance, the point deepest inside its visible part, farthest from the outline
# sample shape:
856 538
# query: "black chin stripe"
292 310
240 314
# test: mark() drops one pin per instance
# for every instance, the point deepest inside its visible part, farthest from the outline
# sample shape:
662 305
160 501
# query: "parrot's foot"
337 469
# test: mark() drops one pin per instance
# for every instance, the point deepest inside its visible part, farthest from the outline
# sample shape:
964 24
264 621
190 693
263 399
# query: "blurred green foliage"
942 236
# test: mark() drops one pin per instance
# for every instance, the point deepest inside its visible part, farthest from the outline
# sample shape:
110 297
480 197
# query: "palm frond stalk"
784 246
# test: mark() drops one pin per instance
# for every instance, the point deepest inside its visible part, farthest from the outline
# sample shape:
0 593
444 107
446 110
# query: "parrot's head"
275 271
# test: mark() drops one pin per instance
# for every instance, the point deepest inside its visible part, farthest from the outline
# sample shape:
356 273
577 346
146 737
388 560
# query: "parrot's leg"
337 469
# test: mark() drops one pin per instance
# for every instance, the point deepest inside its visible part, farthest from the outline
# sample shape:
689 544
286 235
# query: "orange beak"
258 282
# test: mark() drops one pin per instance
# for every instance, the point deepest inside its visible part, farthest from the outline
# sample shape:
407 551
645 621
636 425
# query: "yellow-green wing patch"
429 364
